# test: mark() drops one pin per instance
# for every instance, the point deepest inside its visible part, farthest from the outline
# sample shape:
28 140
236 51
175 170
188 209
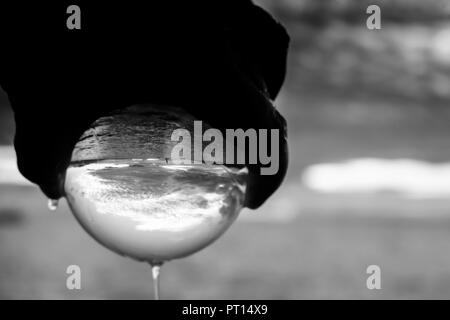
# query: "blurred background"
368 183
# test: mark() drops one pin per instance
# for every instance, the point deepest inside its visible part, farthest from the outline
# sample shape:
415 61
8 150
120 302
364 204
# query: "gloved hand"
223 61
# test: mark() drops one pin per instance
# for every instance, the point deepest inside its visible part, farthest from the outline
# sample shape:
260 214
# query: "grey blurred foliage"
327 11
405 65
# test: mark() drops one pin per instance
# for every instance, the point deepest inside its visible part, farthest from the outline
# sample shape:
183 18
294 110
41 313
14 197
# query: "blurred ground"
350 93
323 253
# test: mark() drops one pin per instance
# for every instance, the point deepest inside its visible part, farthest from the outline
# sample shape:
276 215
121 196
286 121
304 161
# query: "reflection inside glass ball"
153 211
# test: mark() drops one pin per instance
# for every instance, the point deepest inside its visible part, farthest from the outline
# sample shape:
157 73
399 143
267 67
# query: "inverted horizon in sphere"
154 211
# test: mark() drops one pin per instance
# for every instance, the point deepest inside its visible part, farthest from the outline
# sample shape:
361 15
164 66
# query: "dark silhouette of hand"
223 61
